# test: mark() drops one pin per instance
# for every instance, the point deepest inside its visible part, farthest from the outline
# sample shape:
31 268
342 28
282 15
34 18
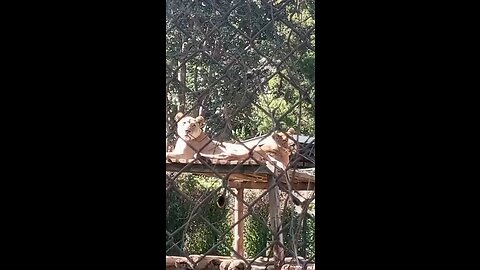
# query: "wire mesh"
242 74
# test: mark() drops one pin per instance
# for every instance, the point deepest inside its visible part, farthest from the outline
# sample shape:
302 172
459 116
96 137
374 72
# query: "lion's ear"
178 116
291 131
200 121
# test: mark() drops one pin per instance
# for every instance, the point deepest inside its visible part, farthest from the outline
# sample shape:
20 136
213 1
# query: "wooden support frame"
220 169
275 222
239 228
265 185
251 176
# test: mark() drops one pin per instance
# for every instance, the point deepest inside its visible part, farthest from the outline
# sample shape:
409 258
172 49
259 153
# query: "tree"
248 67
231 60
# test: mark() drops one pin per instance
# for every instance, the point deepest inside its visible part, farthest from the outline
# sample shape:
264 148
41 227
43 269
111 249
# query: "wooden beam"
265 185
220 169
238 229
275 222
243 177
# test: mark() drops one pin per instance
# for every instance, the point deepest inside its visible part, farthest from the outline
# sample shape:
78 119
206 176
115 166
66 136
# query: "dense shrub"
197 237
258 236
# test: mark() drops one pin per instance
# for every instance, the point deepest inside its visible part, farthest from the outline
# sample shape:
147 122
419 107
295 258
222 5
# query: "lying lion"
194 141
276 149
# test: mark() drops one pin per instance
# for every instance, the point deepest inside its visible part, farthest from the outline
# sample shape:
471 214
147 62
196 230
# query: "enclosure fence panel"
241 73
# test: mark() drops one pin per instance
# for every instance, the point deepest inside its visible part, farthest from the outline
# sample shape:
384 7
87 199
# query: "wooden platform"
248 174
203 262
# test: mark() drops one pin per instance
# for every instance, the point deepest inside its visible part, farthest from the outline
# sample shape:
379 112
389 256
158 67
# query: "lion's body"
193 140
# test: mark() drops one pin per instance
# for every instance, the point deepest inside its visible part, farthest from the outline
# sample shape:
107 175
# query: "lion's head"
284 139
189 128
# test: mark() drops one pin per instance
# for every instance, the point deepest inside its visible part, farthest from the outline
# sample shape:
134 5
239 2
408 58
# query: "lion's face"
283 139
189 128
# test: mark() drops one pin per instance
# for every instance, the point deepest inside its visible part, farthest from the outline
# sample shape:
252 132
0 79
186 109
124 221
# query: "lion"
192 138
279 149
195 143
276 149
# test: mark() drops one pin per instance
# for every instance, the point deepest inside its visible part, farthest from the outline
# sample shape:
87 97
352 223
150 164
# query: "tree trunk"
182 75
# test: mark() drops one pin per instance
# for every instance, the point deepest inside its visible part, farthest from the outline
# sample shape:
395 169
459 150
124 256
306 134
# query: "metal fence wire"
241 73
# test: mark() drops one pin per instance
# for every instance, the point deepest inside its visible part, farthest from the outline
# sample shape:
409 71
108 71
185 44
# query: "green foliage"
200 237
256 234
310 238
277 113
197 237
306 67
236 59
224 75
301 229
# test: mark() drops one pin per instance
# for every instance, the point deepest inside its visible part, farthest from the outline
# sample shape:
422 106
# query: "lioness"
276 149
193 140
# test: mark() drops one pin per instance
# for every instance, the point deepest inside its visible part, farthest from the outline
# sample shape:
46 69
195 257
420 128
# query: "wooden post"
304 235
275 221
238 229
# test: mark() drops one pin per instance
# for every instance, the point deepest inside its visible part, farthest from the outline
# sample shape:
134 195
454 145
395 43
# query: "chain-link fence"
240 155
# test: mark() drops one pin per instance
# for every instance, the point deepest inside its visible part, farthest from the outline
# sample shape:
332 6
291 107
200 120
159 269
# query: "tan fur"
205 263
237 265
276 149
224 265
193 140
279 149
183 264
291 267
214 264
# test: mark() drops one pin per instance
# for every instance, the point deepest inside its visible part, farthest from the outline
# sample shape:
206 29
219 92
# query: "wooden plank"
243 177
221 169
264 185
249 177
275 222
213 161
301 177
297 165
260 263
